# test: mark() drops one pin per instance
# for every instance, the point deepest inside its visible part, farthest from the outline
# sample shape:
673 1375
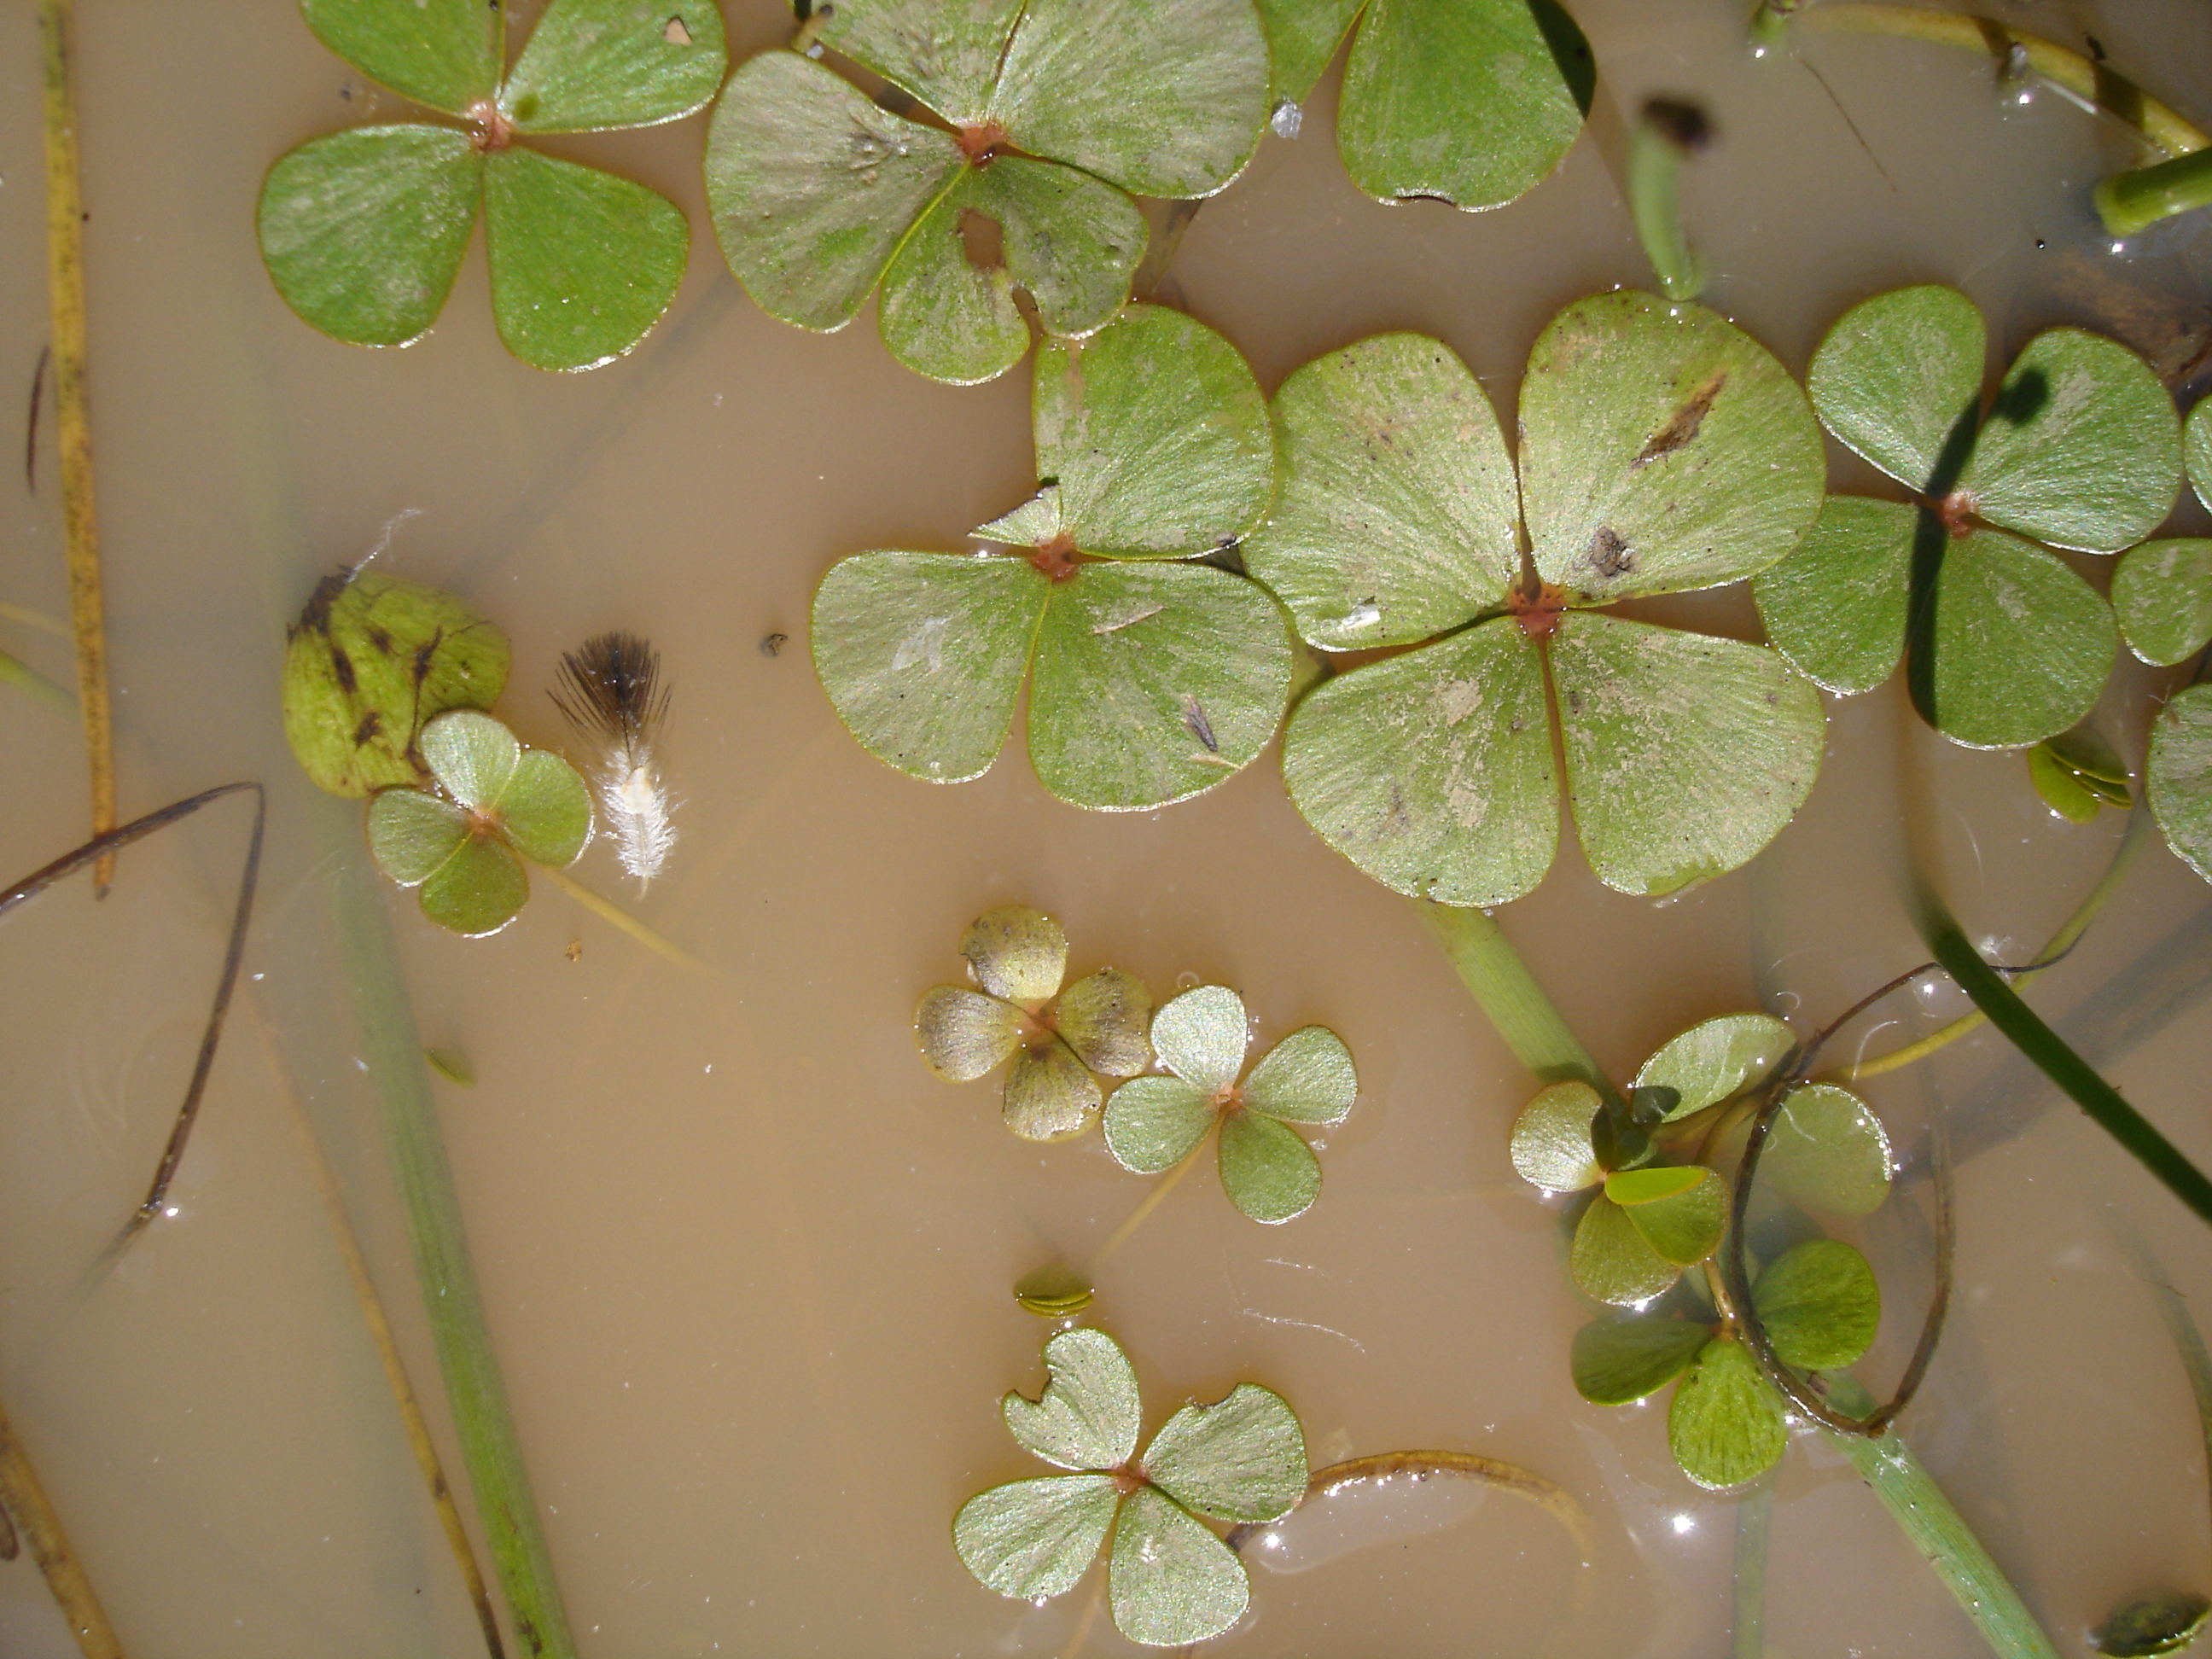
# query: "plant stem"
1508 994
1938 1532
20 674
26 1502
2097 86
1666 135
1161 1188
72 419
2130 202
38 619
391 1052
1754 1519
615 916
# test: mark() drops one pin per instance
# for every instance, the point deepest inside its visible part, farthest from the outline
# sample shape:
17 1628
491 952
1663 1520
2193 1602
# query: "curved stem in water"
608 911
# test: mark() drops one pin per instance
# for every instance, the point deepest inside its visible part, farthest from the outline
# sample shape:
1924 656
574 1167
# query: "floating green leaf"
1626 1357
1057 1038
818 195
1820 1303
363 230
2180 782
1725 1425
1662 449
2163 594
496 800
1552 1139
1154 681
1684 1226
1270 1174
1172 1580
1713 1060
1827 1152
2164 1622
371 660
2060 786
1613 1261
2197 446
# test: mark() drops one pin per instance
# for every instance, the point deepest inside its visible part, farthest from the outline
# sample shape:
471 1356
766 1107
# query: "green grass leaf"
583 263
1613 1261
1713 1060
1395 515
1683 1226
1550 1143
1836 606
922 655
2180 776
2082 448
1686 754
443 54
1820 1303
594 65
1202 1037
1268 1171
1153 1123
2162 595
1089 1414
1432 771
1035 1538
1154 683
1663 449
963 1034
1827 1152
1725 1424
1307 1078
363 231
1469 103
1157 435
1172 1580
1896 373
1018 953
1626 1357
1050 1095
1243 1458
812 188
1105 1017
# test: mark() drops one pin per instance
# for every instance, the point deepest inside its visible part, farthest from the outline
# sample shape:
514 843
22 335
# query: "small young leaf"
1037 1538
1432 770
1827 1152
1269 1173
1054 1291
963 1034
2180 776
1307 1078
1104 1017
2163 594
1089 1414
1552 1139
1663 449
1201 1036
1050 1095
2082 448
1725 1424
411 834
1836 606
923 653
445 54
1714 1059
1629 1187
1243 1458
363 231
545 810
1071 242
2164 1622
1820 1303
1686 754
1684 1227
1396 517
478 890
2060 786
472 757
1018 953
1896 375
1171 1580
1612 1262
1032 524
1153 1123
583 263
594 65
1626 1357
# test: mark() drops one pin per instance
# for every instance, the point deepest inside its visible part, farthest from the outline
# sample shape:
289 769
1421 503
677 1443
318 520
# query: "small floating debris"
612 694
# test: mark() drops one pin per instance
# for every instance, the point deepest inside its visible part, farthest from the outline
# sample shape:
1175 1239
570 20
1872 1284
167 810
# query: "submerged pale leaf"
545 810
1104 1017
412 834
478 890
1827 1152
1018 953
1050 1095
963 1034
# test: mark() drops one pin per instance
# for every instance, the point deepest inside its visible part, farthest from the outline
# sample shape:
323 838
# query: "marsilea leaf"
443 54
1035 1538
2197 449
1713 1060
1820 1303
1153 1123
1307 1078
1104 1017
1550 1143
1613 1261
1897 375
594 65
1827 1152
1088 1416
1243 1458
2180 776
947 56
1267 1169
478 890
1171 1581
1017 952
1725 1424
1050 1095
1201 1036
1683 1226
963 1034
1626 1357
2162 595
1303 36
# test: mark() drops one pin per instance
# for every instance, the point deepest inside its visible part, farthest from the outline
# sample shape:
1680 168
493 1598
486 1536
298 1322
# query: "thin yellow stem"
72 420
1161 1188
26 1502
612 913
1552 1499
27 679
2098 86
38 619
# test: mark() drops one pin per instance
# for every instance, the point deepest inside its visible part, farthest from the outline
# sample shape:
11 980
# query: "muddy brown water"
746 1261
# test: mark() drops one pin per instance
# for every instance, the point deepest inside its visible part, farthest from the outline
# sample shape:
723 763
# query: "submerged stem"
1668 133
26 1504
612 913
1161 1188
1755 1518
2135 201
1508 994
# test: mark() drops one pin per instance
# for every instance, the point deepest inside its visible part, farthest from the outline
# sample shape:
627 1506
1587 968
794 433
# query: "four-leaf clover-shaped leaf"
1471 103
1153 1123
1057 114
493 799
363 230
1151 677
1661 449
1057 1039
1171 1581
2079 447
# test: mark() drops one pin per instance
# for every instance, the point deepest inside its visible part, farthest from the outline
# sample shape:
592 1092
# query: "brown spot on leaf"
365 733
1956 514
1193 719
342 671
1056 558
1682 426
1608 555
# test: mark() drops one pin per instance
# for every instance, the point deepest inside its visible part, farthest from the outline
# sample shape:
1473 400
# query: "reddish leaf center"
1056 558
980 144
1537 609
488 128
1956 512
